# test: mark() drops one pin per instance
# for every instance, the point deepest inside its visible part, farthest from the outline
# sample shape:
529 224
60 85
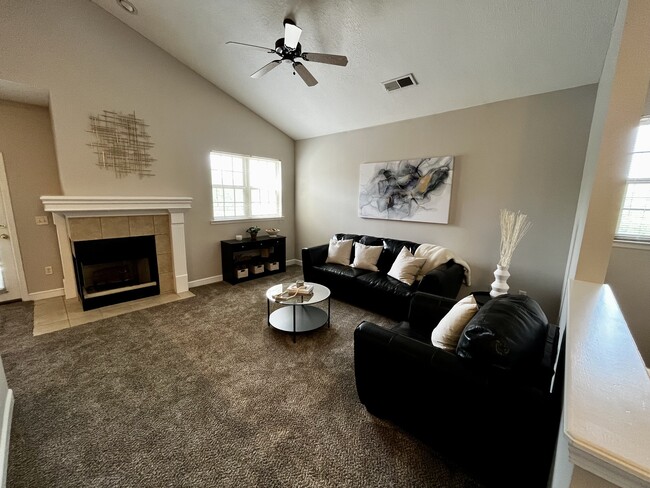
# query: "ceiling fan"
290 51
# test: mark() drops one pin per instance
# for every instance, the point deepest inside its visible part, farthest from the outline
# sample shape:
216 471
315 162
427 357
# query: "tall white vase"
499 285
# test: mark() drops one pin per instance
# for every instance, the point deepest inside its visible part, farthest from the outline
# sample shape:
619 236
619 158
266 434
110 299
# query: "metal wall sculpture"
417 190
121 143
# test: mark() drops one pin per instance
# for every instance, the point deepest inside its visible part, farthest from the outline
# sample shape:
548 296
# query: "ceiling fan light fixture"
291 35
128 6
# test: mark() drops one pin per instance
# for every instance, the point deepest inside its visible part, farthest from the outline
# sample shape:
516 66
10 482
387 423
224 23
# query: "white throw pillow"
448 331
366 257
406 266
339 251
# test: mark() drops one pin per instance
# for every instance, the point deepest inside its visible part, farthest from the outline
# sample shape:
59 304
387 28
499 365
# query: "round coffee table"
298 314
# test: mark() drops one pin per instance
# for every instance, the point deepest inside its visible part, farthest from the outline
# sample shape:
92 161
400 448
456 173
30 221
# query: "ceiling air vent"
401 82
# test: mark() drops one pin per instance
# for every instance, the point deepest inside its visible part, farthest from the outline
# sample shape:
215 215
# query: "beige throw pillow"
406 266
339 251
448 331
366 257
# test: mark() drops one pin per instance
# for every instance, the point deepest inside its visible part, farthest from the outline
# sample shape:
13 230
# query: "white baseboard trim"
42 295
216 279
206 281
5 434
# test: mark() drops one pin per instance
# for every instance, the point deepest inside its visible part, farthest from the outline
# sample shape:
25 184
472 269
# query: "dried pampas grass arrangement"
514 226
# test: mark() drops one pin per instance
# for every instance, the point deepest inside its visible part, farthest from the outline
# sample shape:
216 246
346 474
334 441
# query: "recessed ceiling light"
128 6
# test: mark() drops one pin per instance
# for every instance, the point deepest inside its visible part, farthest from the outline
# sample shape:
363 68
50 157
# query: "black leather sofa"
487 407
375 290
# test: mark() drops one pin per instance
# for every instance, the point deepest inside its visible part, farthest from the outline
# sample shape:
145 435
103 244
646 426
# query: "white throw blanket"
437 255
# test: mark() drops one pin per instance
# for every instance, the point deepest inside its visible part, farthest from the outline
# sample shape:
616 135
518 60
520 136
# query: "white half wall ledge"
607 390
64 207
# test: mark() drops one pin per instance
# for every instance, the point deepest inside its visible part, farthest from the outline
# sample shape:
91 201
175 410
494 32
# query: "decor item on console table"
514 227
382 274
260 257
484 399
253 230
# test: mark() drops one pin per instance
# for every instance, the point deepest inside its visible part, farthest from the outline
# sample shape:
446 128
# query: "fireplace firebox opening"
116 270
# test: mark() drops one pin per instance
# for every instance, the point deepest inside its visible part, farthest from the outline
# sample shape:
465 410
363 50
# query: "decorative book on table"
305 289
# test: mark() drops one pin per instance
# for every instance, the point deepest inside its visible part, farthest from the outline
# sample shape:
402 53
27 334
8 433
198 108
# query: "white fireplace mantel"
108 205
64 207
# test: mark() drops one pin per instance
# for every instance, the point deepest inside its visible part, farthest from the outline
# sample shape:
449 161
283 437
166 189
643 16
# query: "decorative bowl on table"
272 232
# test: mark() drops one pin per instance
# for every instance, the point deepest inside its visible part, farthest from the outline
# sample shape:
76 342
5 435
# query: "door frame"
11 223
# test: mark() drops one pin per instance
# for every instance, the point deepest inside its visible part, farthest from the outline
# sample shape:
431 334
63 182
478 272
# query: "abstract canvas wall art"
417 190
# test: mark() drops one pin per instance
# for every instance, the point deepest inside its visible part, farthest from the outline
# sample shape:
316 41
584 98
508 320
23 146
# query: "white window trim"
628 244
631 241
247 218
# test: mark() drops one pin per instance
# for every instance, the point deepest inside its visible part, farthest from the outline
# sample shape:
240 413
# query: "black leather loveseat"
375 290
488 406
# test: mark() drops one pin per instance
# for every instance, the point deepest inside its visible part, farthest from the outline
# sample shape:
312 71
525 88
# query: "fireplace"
110 271
81 219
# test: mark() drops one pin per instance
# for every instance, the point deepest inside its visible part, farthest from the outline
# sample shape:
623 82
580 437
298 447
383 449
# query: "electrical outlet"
41 219
48 270
523 292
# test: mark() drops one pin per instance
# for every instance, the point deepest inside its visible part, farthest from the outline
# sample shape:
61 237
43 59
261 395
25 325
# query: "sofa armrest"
445 280
313 256
392 369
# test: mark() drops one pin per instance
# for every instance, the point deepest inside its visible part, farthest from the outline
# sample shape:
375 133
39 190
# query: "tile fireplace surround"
82 218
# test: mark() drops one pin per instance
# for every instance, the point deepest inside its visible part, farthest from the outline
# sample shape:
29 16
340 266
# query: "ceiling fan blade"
305 74
267 49
291 35
266 68
325 58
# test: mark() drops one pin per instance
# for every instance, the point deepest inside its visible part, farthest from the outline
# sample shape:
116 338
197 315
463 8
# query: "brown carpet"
200 392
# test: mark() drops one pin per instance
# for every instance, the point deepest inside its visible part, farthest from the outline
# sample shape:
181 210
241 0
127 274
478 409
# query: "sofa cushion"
339 251
447 333
392 248
372 241
379 283
339 270
365 257
406 266
509 332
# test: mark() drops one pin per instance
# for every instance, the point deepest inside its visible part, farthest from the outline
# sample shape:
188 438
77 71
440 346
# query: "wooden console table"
267 254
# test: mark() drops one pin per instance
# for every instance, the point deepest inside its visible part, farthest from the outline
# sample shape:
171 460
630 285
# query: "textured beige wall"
27 145
629 276
89 61
525 154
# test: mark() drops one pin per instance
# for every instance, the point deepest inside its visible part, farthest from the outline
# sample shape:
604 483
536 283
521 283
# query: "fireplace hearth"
110 271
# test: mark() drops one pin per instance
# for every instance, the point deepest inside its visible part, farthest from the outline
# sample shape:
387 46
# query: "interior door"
9 277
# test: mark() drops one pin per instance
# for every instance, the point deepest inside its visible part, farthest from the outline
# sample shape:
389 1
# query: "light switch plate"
41 219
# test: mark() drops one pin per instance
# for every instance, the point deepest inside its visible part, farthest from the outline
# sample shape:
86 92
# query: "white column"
181 281
69 280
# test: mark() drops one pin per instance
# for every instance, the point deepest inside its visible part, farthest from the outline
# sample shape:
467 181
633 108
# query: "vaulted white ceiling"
462 53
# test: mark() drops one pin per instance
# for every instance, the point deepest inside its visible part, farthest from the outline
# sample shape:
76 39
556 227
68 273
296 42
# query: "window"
245 187
634 221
